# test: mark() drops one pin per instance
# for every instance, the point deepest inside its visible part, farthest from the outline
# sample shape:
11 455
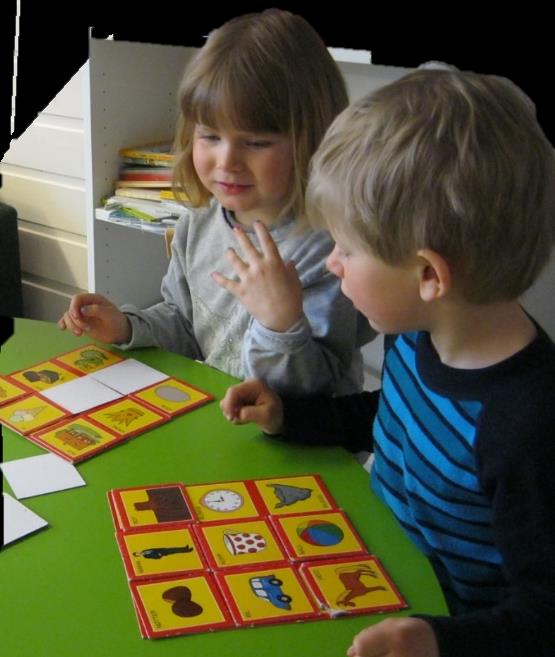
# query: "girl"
255 103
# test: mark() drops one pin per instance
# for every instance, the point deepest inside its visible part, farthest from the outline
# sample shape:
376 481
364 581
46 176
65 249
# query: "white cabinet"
129 98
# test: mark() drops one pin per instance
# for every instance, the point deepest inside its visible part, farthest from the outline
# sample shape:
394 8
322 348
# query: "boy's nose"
333 264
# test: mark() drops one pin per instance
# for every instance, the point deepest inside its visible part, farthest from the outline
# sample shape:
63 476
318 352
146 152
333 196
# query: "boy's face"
389 296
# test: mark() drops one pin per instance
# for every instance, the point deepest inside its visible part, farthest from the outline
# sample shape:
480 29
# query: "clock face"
222 499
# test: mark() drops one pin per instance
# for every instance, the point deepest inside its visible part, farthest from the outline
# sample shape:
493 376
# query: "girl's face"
249 173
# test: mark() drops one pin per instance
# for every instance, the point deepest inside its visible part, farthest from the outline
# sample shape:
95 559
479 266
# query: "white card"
41 474
19 520
81 394
128 376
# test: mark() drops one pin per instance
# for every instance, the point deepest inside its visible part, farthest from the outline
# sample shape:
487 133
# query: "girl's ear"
435 275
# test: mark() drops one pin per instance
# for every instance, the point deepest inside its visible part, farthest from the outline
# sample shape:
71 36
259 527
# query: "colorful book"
149 174
143 183
204 557
155 154
154 194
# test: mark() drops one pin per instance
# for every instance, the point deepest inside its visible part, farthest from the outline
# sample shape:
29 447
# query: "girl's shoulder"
309 251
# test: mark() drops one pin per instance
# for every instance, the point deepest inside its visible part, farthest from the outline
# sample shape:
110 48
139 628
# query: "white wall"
43 178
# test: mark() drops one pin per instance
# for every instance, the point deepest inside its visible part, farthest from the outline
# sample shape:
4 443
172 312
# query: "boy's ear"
435 275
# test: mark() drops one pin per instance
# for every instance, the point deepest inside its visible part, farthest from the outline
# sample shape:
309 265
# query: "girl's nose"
229 158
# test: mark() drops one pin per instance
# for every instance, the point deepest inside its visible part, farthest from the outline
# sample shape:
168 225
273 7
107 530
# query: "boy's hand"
98 317
396 637
253 401
269 288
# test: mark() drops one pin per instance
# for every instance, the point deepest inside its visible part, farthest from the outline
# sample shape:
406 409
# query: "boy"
438 190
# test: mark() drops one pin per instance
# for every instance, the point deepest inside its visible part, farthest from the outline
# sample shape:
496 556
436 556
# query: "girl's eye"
208 137
258 143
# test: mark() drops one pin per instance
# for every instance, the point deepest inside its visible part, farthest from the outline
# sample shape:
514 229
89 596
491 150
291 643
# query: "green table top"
63 590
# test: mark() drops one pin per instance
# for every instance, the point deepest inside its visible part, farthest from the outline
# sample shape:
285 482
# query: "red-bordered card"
30 413
240 543
173 396
318 535
179 605
76 439
268 595
126 417
150 506
88 358
165 552
294 494
224 500
10 390
44 375
352 586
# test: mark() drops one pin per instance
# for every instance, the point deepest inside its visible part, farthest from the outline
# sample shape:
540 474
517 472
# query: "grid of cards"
87 400
242 553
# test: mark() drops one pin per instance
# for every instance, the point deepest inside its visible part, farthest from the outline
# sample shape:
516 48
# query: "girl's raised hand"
268 287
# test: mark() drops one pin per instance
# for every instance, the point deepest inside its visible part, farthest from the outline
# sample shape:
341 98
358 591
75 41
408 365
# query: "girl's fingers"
237 263
245 243
267 244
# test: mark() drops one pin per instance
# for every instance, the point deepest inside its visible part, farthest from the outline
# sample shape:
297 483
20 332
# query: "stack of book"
143 196
146 172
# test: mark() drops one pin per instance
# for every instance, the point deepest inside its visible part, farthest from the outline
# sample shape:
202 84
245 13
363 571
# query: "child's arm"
169 323
253 401
318 420
98 317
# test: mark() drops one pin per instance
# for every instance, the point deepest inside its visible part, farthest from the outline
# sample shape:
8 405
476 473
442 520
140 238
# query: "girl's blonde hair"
446 160
266 72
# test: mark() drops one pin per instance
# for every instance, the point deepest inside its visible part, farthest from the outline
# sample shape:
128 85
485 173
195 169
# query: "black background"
53 41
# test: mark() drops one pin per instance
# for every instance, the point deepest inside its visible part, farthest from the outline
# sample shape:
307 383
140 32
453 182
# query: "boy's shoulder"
519 413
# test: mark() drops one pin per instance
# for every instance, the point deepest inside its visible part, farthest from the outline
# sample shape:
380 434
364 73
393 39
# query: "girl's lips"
233 188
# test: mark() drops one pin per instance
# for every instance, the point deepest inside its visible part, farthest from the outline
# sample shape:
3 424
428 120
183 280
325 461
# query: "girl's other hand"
98 317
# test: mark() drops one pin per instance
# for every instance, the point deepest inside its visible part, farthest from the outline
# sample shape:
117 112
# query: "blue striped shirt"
425 471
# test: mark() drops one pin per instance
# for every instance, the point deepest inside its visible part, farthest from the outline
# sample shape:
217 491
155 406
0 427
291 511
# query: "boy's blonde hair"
267 72
446 160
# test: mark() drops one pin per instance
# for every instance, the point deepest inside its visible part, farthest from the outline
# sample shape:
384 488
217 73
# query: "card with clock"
224 500
235 554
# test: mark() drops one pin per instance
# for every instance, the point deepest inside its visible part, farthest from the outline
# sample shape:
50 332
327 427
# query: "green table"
63 591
